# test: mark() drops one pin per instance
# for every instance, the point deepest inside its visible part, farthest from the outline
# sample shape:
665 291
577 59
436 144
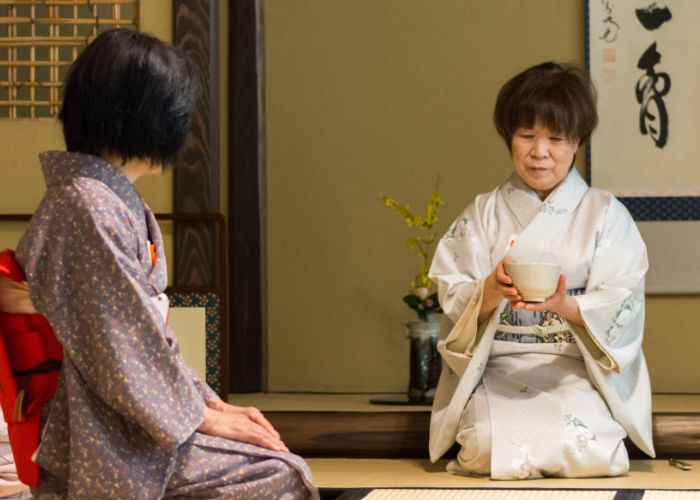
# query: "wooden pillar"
199 247
247 196
197 174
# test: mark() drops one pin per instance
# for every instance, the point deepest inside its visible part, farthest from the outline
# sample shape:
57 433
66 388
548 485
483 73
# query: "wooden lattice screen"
39 39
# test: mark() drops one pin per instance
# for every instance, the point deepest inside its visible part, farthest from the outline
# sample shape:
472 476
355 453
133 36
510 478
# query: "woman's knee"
288 478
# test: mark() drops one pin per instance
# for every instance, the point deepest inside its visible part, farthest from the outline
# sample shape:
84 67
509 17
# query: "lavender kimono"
124 418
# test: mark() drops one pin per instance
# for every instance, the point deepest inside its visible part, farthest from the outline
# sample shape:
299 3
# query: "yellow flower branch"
421 243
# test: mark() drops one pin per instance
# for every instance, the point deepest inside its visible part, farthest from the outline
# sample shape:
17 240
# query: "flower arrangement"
420 298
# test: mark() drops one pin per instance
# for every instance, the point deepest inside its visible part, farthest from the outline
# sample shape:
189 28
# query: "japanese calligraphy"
650 90
652 86
610 26
653 16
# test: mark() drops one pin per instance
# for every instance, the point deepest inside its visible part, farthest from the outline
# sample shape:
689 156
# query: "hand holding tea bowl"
519 283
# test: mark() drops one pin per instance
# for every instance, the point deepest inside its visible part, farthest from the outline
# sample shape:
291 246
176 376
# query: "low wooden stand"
405 434
348 426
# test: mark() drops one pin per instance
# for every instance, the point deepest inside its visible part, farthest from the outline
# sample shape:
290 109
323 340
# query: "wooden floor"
348 426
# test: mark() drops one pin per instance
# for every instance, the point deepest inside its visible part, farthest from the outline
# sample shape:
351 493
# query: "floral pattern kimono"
123 420
529 395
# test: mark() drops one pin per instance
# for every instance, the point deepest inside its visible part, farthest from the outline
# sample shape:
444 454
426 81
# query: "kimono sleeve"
461 261
460 265
613 306
86 278
457 348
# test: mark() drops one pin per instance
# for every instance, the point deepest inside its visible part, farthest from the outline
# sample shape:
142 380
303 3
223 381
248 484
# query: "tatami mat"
454 494
341 473
671 495
440 494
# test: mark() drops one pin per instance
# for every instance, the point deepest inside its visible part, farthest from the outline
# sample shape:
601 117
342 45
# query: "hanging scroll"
644 59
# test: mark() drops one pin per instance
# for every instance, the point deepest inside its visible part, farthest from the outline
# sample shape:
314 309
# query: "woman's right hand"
239 427
498 286
504 283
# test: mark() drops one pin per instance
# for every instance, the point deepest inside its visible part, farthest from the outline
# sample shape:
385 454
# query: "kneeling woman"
542 389
129 419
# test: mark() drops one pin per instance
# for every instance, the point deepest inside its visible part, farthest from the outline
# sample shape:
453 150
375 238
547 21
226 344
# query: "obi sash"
30 361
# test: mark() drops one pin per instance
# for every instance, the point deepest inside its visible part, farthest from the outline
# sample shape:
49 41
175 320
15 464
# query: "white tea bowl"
535 281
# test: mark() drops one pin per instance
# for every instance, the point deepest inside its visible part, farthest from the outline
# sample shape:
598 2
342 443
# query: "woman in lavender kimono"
542 389
129 419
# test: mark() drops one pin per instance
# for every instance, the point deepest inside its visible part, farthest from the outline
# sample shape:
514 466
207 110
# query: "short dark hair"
130 94
560 96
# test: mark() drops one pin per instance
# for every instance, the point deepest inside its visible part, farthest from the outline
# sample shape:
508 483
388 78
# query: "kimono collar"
525 204
61 167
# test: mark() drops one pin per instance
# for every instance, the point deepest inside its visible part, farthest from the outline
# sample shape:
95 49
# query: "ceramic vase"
425 363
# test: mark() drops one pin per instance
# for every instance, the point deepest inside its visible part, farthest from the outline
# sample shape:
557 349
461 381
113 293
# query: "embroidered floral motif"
583 437
549 208
524 466
451 291
622 316
550 319
559 338
460 229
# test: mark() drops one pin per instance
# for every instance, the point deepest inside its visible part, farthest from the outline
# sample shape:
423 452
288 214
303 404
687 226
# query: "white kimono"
522 420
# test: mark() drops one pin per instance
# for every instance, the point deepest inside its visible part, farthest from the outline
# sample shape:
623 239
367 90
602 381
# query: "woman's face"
541 157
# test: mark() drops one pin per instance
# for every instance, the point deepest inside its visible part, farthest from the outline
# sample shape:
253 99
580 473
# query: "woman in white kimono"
542 389
129 418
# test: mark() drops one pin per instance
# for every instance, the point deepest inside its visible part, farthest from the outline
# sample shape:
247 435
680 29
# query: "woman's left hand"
251 412
559 302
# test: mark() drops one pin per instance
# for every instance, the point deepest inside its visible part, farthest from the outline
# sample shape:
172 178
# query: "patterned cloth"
521 317
124 418
536 414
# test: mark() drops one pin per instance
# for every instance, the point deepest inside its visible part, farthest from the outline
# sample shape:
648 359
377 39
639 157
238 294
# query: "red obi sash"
30 361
